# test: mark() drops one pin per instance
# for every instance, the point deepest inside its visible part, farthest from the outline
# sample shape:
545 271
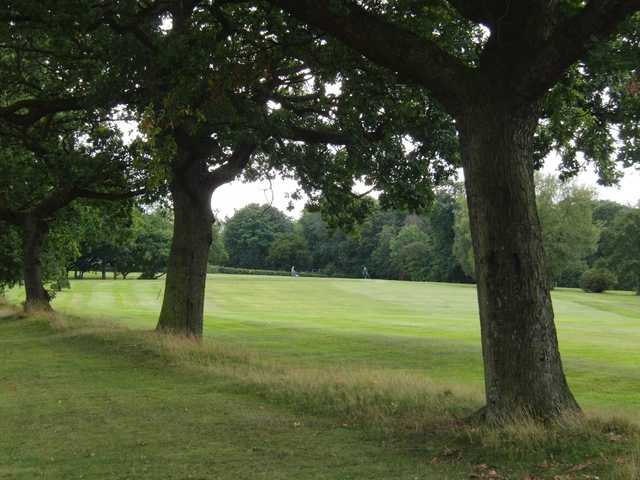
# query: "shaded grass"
104 400
84 401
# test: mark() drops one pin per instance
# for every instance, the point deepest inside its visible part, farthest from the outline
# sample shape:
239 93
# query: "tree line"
580 234
397 95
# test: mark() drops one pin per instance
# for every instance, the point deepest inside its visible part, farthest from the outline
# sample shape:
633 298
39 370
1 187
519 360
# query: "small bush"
597 280
255 271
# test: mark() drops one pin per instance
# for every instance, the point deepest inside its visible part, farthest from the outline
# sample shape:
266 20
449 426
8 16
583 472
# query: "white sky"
233 196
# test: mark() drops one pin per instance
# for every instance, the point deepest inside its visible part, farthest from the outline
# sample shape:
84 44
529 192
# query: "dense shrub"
597 280
256 271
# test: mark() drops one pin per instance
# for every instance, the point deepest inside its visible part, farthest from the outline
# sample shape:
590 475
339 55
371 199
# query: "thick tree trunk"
183 303
523 369
34 232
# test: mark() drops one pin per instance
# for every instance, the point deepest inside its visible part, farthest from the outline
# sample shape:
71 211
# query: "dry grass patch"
627 468
381 399
418 416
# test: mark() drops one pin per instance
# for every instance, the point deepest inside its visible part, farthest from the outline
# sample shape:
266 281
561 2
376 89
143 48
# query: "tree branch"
61 198
35 109
308 135
9 216
472 10
328 135
236 162
571 40
111 196
414 58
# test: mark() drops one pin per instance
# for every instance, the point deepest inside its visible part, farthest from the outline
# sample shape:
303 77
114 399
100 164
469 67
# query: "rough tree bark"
34 233
522 366
183 304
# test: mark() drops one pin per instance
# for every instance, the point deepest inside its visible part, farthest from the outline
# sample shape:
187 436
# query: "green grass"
428 329
300 378
76 405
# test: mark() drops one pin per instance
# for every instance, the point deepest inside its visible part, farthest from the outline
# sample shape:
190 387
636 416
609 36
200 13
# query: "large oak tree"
493 65
225 90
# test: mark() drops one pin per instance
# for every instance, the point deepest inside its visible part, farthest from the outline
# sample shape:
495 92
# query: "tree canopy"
393 93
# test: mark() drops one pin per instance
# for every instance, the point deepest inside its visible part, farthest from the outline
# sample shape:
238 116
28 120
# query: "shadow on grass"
405 411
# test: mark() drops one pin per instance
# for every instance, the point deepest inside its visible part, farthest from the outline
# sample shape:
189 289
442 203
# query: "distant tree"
570 235
218 252
606 211
123 242
621 248
381 264
439 224
317 235
249 233
409 253
105 236
369 240
289 249
604 214
337 251
462 244
152 241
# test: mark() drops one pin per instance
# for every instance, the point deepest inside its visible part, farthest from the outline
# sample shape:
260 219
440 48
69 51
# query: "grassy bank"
82 399
417 330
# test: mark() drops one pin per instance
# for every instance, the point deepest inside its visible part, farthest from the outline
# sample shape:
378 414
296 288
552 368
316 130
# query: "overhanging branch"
414 58
571 40
111 196
234 165
27 112
9 216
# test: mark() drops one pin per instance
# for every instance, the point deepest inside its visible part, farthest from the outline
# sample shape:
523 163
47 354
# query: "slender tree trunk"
34 232
523 369
183 303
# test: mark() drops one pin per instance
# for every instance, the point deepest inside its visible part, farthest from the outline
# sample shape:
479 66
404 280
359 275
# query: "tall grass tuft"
375 398
627 468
